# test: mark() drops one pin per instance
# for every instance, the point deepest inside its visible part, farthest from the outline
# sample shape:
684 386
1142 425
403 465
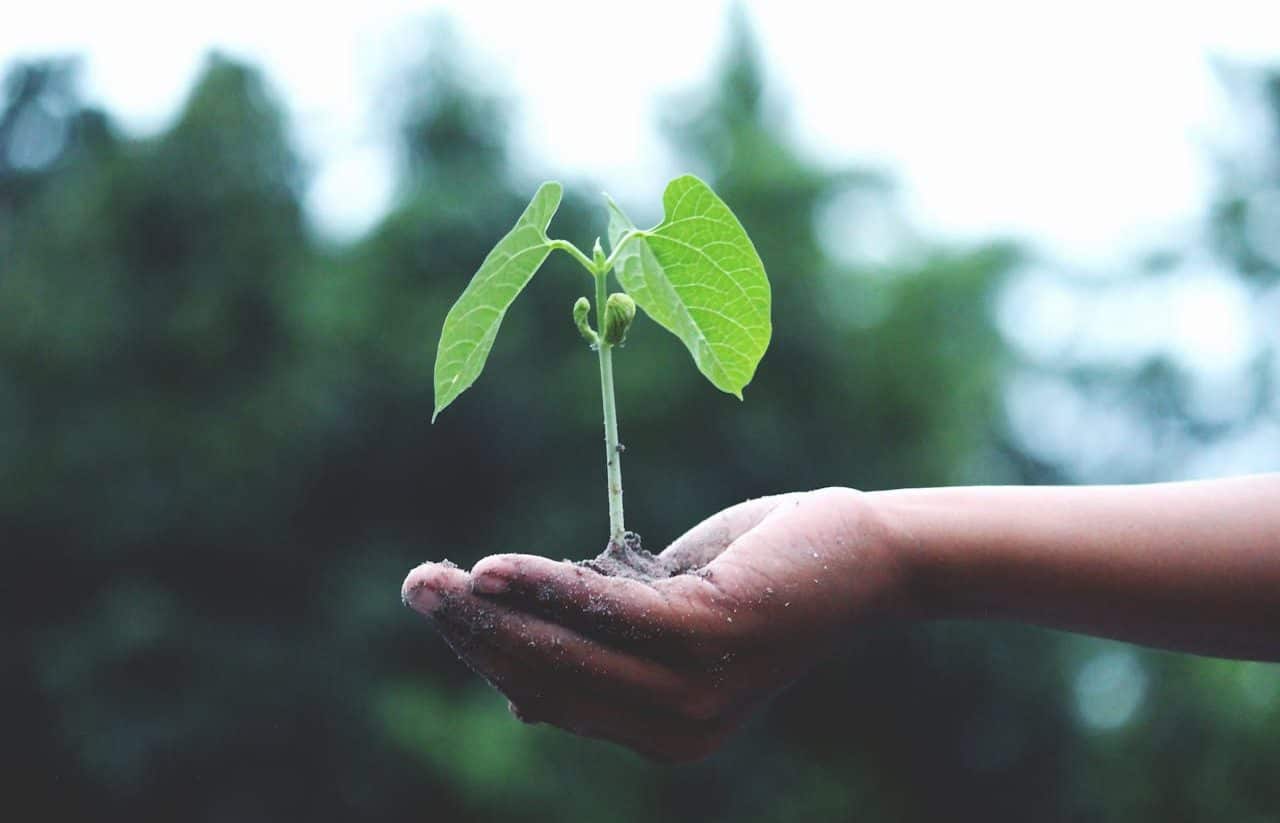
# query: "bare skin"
671 668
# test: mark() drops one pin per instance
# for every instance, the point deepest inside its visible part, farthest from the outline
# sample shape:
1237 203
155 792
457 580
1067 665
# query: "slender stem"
575 253
613 451
622 242
613 454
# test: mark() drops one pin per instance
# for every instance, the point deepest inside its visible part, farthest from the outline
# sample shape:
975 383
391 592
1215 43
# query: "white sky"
1085 129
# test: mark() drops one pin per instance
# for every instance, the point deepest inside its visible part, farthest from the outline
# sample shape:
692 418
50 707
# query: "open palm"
671 666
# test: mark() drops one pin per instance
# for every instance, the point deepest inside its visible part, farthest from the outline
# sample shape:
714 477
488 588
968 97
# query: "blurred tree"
1247 209
214 448
1200 395
1166 412
144 345
41 124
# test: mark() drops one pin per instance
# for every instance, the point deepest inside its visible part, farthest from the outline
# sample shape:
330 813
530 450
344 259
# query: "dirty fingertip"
493 575
424 588
489 583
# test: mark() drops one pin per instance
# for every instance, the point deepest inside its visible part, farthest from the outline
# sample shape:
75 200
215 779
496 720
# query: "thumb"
707 540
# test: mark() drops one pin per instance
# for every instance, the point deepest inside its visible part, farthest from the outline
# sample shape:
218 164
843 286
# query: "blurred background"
1005 247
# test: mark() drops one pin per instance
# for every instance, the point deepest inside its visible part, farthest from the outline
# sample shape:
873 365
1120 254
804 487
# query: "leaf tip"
439 407
552 190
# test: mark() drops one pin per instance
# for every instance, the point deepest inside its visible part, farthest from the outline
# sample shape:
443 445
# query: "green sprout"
696 274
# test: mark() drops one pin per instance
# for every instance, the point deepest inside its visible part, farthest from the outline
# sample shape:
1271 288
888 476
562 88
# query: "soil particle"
632 561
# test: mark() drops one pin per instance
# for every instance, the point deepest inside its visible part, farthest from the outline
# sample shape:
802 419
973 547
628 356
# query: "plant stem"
613 454
574 252
623 241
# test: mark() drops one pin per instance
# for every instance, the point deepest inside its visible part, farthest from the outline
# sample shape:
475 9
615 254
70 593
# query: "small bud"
597 255
581 311
619 311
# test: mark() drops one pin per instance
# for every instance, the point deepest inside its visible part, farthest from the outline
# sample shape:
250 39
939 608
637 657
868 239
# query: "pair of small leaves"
696 273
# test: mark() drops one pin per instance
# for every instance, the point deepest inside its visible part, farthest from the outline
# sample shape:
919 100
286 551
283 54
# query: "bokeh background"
217 328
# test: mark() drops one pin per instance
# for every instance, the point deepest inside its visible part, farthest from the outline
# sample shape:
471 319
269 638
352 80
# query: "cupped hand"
670 667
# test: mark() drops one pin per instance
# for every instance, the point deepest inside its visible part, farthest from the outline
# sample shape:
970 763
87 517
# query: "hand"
671 667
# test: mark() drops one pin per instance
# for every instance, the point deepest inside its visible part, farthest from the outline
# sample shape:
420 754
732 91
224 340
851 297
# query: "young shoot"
696 274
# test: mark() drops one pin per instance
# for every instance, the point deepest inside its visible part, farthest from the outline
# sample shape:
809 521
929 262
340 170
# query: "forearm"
1188 566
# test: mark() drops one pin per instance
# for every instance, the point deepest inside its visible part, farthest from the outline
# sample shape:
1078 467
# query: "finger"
553 675
701 544
534 661
429 585
658 619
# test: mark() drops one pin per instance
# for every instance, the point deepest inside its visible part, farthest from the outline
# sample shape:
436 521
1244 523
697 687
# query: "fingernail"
489 583
421 598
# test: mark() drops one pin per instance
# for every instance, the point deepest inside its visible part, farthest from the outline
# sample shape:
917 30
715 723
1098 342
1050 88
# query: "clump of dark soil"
630 559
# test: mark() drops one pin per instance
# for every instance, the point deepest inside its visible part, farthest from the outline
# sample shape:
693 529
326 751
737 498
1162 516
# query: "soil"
633 561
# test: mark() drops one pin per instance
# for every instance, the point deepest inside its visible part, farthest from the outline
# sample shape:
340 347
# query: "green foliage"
214 474
473 322
698 275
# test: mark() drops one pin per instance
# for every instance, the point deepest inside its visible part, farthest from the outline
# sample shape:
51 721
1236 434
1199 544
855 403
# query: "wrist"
882 570
903 522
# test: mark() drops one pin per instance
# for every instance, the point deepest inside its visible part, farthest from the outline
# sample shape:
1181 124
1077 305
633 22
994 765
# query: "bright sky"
1086 129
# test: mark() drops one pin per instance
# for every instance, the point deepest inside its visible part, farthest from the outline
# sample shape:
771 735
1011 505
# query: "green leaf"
697 274
472 323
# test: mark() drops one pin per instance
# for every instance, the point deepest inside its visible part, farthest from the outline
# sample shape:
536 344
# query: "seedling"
696 273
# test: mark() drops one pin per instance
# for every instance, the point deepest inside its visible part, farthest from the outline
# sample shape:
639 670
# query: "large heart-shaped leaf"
698 275
472 323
